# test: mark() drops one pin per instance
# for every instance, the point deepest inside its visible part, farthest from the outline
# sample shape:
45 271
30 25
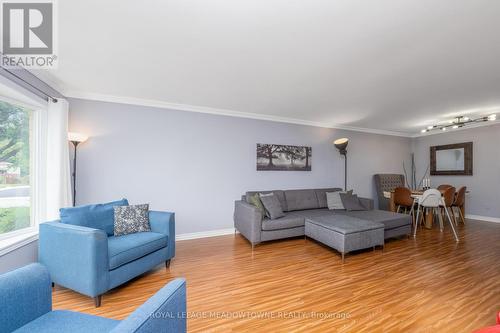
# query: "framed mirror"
452 160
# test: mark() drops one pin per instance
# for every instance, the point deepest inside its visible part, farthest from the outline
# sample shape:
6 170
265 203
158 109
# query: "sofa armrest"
248 221
25 294
76 257
164 223
367 202
164 312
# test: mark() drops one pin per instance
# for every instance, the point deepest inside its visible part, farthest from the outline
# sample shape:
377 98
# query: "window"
17 163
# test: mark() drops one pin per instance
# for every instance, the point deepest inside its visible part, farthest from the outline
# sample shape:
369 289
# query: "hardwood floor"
430 284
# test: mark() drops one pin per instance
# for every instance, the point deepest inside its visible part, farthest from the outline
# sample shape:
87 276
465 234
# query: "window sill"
13 243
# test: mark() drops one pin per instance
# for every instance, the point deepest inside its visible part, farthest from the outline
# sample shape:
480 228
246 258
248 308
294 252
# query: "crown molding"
222 112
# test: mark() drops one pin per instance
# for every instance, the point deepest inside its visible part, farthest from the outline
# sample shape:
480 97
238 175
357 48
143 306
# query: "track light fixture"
459 122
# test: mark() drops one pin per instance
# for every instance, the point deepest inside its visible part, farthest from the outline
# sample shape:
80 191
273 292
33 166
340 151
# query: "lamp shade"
341 145
77 137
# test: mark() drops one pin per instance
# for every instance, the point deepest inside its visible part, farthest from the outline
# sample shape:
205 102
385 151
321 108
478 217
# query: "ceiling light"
458 122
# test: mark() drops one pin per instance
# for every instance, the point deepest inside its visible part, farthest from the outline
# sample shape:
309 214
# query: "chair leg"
397 210
412 213
453 215
97 301
441 224
167 264
461 215
416 222
451 224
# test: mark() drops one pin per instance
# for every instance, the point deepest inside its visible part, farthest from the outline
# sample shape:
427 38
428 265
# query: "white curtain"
57 187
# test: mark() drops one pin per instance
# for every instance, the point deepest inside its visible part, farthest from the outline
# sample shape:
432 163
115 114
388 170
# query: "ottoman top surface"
344 224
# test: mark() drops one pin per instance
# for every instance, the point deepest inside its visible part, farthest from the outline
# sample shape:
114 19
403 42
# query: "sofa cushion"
321 195
301 199
345 224
99 216
278 193
68 321
286 222
310 213
127 248
389 219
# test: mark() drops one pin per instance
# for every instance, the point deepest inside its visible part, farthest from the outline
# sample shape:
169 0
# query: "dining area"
444 203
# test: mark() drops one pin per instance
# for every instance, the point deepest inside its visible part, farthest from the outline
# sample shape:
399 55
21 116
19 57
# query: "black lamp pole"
75 144
341 145
345 170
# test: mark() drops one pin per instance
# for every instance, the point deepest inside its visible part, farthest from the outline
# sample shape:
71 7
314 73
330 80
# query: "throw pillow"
333 199
255 201
351 202
272 205
131 219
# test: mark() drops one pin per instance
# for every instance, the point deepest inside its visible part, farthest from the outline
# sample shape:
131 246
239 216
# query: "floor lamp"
341 145
75 139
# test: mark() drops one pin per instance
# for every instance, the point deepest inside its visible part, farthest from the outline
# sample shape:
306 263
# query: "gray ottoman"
344 233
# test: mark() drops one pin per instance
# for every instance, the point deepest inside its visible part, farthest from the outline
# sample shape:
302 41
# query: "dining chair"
432 199
448 200
443 187
404 200
459 202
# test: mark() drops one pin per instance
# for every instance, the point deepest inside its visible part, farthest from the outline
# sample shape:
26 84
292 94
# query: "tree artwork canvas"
272 157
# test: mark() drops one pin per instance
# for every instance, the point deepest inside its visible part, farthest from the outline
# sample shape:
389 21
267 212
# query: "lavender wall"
197 164
484 183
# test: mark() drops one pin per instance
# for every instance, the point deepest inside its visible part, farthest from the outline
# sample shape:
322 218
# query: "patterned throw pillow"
131 219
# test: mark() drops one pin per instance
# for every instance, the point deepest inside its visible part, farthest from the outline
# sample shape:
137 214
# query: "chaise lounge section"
307 204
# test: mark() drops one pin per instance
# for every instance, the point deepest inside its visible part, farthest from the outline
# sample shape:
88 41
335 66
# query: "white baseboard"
483 218
203 234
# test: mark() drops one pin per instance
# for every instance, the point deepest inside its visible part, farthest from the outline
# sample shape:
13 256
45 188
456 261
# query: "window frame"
36 141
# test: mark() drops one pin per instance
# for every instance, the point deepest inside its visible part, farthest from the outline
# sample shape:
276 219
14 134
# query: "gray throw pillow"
131 219
333 199
351 202
272 206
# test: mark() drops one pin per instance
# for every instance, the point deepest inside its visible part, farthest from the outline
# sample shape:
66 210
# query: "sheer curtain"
57 184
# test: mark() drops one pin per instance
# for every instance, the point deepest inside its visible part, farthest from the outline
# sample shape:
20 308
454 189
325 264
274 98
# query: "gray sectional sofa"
308 204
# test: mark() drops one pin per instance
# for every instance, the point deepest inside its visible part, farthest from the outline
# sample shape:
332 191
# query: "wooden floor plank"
428 284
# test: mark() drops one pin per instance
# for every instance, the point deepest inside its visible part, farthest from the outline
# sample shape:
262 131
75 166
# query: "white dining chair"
432 199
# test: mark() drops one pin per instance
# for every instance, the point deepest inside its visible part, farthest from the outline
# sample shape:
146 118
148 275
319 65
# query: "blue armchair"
82 254
26 306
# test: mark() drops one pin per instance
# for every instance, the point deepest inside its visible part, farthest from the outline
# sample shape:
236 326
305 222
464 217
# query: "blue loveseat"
82 254
26 306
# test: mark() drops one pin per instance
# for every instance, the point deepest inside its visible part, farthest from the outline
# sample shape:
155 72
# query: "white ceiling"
387 65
